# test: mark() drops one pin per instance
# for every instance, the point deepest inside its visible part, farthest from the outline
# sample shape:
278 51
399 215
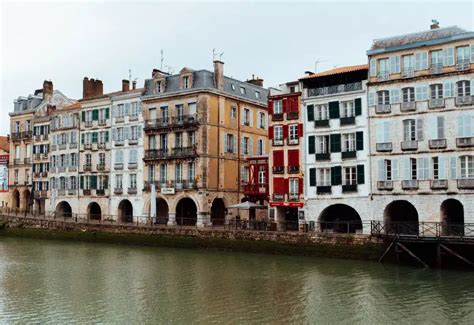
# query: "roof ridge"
421 32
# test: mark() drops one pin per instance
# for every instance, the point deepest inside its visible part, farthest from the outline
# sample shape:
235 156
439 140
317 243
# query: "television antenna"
162 59
316 64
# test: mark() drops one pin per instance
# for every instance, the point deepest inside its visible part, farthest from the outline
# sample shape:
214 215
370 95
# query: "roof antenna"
162 59
316 64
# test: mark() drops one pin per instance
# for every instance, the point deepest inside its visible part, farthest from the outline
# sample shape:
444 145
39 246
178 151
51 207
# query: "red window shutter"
285 131
293 157
287 186
294 104
285 104
270 106
300 130
279 185
278 156
270 132
300 186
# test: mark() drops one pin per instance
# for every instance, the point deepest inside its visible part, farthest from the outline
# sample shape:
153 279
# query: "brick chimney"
47 90
134 84
92 88
98 88
86 88
125 85
219 74
255 81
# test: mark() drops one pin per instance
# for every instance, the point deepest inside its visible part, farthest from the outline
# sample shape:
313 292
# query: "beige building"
4 160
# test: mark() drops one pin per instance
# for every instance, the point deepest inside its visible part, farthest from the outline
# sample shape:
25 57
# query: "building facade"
4 161
420 97
200 127
336 147
286 157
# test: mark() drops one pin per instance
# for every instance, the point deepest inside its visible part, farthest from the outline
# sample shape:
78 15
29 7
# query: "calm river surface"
57 282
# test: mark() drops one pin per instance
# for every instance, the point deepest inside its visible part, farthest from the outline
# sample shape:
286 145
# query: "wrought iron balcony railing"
321 91
172 122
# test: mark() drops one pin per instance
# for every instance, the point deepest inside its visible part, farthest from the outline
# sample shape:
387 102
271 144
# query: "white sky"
278 41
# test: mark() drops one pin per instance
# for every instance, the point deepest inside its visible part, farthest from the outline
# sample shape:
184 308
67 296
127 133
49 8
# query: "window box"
293 169
277 142
463 100
323 189
118 166
437 143
132 190
71 192
466 183
292 115
465 142
118 190
100 192
72 169
408 106
88 124
349 188
73 146
54 147
61 169
132 142
323 156
102 122
100 167
408 73
16 161
119 119
132 165
133 118
383 108
279 197
348 154
87 146
321 123
278 169
383 147
436 103
439 184
383 77
409 145
277 117
44 174
119 143
86 168
86 192
293 141
351 120
101 146
385 185
410 184
463 65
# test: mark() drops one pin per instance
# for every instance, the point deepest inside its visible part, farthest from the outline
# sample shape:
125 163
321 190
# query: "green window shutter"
335 142
82 138
358 106
95 115
82 182
310 110
312 177
334 109
359 140
83 116
336 176
94 137
106 136
94 182
360 174
107 113
311 144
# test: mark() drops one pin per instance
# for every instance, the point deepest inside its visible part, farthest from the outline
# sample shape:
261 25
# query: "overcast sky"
278 41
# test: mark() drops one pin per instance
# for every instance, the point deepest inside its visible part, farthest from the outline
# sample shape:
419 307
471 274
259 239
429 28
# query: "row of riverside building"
391 140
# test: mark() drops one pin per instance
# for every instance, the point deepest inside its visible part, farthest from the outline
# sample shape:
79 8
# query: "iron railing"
321 91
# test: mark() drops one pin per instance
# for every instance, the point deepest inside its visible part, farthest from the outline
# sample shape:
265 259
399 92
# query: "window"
408 62
233 112
436 58
435 164
134 109
178 140
178 173
229 142
294 191
191 171
119 157
260 148
17 127
409 130
383 97
347 109
88 159
322 144
101 158
348 142
324 176
261 120
120 111
384 67
247 116
322 112
464 88
16 176
163 173
448 56
87 183
244 174
245 145
133 156
118 181
350 176
180 113
421 60
232 86
413 169
151 173
164 141
293 133
73 183
191 138
388 169
164 113
242 90
437 127
467 166
152 142
408 94
186 82
463 54
17 152
423 168
133 181
257 94
135 132
465 125
278 134
261 175
436 91
119 134
277 107
73 159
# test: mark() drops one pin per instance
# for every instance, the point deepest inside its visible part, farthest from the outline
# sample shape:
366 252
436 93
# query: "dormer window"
242 90
160 86
186 82
232 86
257 94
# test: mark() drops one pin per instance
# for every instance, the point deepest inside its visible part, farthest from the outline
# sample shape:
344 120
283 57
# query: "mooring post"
438 255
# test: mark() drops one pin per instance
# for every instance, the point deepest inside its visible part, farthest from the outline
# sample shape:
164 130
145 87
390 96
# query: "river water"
53 281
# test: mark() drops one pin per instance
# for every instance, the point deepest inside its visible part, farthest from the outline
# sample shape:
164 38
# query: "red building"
256 187
285 155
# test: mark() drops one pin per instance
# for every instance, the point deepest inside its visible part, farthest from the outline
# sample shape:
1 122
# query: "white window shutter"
242 146
472 53
387 135
452 167
461 120
235 145
418 92
406 169
424 60
472 85
418 61
114 134
373 67
419 168
448 89
371 98
381 164
225 142
251 118
448 56
127 109
433 127
394 96
379 132
394 169
442 167
419 129
251 146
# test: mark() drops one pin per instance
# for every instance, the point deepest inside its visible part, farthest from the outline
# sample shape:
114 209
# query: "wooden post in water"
438 255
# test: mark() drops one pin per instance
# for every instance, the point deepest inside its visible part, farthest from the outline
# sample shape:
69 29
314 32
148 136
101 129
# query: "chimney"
125 85
86 88
219 74
47 90
434 24
134 84
98 88
92 88
255 81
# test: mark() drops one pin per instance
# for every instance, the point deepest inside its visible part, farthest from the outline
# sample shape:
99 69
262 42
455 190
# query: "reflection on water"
49 281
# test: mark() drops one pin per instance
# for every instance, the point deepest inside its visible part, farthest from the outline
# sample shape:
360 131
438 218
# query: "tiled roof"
4 146
72 106
351 68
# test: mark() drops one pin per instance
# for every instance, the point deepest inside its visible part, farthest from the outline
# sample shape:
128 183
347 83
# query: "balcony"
321 123
132 142
62 192
61 169
293 169
72 192
408 73
436 103
183 121
100 167
292 142
87 146
119 119
463 65
119 143
54 147
102 122
132 190
16 161
350 120
323 156
348 188
45 155
37 174
132 165
465 142
277 142
183 152
322 91
133 118
100 192
87 167
16 136
62 146
410 184
292 197
44 174
118 190
439 184
383 147
464 100
118 166
277 117
278 169
437 144
436 68
279 197
409 145
408 106
86 192
383 108
88 124
72 169
37 156
38 137
383 76
292 115
40 194
26 135
466 183
256 189
385 185
325 189
348 154
27 161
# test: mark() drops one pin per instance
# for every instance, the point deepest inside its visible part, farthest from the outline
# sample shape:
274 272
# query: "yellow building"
200 127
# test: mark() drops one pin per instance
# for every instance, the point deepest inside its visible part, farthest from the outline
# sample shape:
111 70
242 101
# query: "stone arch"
173 204
340 218
94 212
27 200
162 211
218 212
186 212
452 217
63 209
401 217
125 211
16 199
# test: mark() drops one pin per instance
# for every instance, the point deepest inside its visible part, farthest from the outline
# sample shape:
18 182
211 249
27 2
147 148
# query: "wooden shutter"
293 157
278 158
107 113
310 112
95 115
82 182
93 182
336 175
334 109
358 106
285 131
285 105
300 186
83 116
360 174
300 130
359 140
311 144
312 177
270 106
278 185
335 142
270 133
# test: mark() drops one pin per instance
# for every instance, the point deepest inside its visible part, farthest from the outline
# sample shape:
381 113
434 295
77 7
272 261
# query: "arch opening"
27 200
94 211
162 211
218 212
16 199
452 218
401 217
125 211
186 212
63 209
340 218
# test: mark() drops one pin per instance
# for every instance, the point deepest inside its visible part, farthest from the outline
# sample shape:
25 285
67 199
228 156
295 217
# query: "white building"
336 146
422 127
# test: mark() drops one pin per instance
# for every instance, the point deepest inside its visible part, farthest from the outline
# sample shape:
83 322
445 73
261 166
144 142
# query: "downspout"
238 156
369 155
218 144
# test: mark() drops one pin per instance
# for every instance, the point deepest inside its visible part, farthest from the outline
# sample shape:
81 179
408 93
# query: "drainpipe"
238 156
369 158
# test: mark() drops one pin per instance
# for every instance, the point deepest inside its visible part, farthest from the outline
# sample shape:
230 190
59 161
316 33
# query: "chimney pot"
134 84
219 74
